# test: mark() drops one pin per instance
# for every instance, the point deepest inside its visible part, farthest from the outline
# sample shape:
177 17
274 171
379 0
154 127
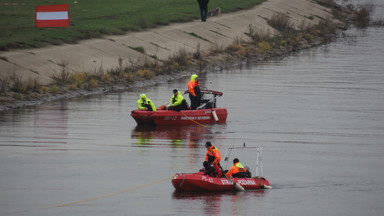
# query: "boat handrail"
259 150
213 101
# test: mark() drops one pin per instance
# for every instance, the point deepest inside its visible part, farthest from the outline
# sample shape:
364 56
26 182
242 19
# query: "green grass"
95 18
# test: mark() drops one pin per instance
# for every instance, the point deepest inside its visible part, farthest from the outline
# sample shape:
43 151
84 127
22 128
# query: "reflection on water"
173 136
50 124
43 126
211 202
191 137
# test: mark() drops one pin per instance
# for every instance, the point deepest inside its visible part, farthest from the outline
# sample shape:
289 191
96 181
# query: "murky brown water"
319 116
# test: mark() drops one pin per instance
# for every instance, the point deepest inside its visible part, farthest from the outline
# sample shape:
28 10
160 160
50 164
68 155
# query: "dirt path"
161 43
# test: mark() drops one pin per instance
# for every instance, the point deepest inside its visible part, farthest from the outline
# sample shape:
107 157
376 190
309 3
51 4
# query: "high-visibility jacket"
143 102
192 85
176 99
236 168
213 152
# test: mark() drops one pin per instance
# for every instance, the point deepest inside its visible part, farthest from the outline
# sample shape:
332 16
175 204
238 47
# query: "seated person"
237 170
177 102
212 169
145 104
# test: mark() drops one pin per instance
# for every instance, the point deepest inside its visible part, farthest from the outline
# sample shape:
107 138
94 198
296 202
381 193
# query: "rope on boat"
193 120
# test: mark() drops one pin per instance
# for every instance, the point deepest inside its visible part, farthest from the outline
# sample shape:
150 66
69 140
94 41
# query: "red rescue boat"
207 113
201 182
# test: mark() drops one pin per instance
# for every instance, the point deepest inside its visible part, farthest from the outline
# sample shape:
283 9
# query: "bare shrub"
16 84
53 89
33 85
264 47
92 83
280 22
197 54
4 84
361 16
217 48
106 78
64 73
237 48
145 73
181 57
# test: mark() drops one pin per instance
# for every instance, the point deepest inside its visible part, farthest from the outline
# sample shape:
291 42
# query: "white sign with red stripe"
52 16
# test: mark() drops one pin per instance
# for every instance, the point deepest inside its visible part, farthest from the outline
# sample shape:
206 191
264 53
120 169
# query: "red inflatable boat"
201 182
207 113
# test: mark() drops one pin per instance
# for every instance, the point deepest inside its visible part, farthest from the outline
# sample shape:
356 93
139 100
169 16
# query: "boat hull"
183 117
200 182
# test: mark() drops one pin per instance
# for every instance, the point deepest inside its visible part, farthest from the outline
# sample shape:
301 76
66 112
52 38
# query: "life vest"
236 168
240 168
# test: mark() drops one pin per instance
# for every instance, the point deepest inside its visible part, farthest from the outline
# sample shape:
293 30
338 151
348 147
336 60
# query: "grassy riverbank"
95 18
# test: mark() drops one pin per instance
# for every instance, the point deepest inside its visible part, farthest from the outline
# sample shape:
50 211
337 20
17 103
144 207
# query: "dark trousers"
149 108
203 11
240 175
182 106
195 101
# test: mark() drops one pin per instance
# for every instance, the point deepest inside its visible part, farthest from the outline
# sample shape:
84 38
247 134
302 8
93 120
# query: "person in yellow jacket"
177 102
145 104
194 92
237 170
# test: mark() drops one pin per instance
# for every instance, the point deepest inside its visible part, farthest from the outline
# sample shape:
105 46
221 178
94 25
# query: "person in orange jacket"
212 161
213 154
194 92
237 170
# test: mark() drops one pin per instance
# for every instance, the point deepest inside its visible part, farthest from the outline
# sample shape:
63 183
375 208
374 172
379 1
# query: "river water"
318 114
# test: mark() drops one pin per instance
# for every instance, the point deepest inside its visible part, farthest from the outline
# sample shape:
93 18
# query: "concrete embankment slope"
161 43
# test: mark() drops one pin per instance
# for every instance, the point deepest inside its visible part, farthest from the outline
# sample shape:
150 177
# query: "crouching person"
177 102
212 169
145 104
237 170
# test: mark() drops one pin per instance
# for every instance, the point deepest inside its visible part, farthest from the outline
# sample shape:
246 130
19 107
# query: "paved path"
162 43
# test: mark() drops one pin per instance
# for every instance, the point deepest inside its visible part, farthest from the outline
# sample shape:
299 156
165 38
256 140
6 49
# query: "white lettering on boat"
241 182
246 182
206 178
170 118
225 181
195 118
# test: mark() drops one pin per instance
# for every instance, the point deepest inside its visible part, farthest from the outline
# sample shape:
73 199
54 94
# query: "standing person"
213 155
203 5
177 102
194 92
145 104
237 170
